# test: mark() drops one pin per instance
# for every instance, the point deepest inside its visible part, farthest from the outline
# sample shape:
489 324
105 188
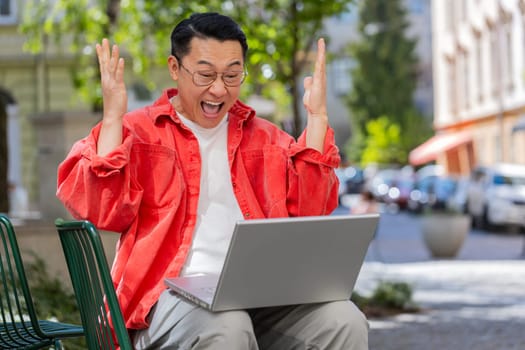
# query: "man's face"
207 105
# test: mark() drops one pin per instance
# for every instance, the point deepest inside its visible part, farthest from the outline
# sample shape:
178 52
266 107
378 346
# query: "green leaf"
278 32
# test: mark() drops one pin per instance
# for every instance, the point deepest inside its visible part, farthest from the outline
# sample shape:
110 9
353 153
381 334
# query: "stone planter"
444 233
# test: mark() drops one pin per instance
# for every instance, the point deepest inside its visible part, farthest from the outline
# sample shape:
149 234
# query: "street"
473 301
398 240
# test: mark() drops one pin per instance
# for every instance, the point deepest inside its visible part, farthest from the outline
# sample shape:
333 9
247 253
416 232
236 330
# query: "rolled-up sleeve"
313 185
96 188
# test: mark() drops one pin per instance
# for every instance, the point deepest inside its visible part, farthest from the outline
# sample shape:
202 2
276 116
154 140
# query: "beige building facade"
36 85
479 84
46 114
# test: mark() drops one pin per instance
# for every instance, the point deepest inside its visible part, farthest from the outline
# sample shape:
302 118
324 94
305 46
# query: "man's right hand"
115 99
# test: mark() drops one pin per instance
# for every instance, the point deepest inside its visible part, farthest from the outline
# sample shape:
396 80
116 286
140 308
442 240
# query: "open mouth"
211 107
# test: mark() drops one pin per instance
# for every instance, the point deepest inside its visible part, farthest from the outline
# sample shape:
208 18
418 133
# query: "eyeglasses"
207 77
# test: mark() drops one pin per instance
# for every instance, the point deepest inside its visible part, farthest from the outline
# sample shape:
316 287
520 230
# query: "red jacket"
147 189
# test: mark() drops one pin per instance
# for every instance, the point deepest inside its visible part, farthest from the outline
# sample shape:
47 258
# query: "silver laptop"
285 261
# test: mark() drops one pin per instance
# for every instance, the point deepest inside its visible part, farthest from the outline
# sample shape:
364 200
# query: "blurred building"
342 30
46 114
479 88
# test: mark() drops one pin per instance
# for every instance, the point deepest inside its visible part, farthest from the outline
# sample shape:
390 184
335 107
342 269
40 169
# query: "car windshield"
500 179
446 185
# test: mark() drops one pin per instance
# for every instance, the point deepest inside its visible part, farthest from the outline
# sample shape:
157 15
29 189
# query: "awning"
438 144
520 124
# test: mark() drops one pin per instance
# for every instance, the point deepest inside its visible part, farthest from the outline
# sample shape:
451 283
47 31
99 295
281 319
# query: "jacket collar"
162 107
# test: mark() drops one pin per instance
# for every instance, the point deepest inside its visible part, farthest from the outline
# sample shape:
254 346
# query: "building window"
416 7
460 79
465 76
452 88
495 73
522 9
7 12
341 75
478 82
462 10
508 51
450 17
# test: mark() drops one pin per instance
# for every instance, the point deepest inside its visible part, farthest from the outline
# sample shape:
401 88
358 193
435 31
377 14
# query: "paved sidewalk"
466 305
474 301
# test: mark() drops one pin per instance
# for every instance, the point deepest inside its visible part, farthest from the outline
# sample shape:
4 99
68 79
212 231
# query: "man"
174 177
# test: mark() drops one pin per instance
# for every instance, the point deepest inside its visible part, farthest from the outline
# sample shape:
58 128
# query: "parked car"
381 182
354 179
458 199
340 173
431 192
392 187
351 180
496 196
399 192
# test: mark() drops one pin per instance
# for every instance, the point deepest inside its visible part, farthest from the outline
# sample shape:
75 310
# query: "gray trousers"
177 324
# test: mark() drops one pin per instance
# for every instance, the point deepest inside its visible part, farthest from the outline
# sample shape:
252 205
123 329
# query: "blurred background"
426 98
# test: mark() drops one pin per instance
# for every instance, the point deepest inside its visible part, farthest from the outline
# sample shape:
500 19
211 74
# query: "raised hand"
115 100
314 101
314 98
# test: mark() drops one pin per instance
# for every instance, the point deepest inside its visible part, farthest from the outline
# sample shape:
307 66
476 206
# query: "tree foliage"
385 75
383 144
279 32
52 299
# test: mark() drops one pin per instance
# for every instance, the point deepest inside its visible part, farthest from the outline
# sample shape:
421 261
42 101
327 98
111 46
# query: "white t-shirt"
218 209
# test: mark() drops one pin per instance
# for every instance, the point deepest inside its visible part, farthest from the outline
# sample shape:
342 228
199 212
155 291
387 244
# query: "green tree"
384 79
383 144
280 34
139 27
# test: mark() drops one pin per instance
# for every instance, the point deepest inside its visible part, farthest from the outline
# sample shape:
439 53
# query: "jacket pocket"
267 170
158 175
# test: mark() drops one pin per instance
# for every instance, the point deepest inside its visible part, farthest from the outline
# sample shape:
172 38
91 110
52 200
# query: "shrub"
388 298
52 300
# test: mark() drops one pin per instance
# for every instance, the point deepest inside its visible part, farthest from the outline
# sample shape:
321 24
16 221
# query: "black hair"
205 25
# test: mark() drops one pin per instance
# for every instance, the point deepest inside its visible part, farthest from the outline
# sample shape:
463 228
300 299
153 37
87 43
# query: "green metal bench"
94 290
20 327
